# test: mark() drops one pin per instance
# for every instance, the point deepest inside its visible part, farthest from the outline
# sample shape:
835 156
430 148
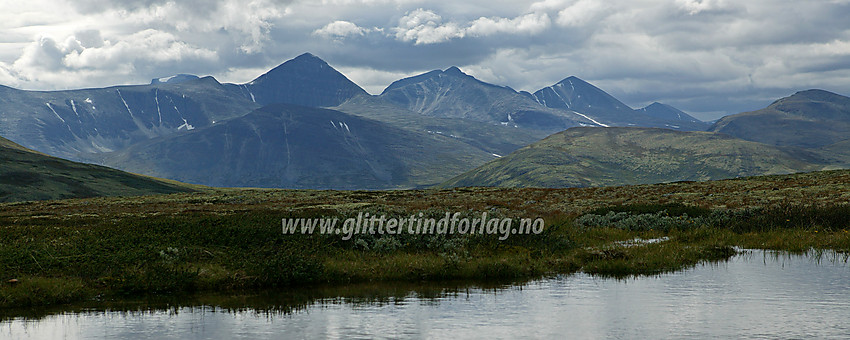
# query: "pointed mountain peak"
308 57
667 112
452 75
574 80
454 70
574 83
304 80
573 93
306 60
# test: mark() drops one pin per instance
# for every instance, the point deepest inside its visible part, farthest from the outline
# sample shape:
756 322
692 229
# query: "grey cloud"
97 6
827 64
705 56
195 7
89 38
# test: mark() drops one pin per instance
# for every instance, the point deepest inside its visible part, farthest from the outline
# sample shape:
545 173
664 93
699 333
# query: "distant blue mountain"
305 80
664 111
580 96
72 123
454 94
290 146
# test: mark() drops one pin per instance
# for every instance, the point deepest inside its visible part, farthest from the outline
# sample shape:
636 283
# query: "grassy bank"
112 248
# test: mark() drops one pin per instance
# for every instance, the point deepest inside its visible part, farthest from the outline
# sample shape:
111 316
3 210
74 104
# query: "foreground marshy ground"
54 252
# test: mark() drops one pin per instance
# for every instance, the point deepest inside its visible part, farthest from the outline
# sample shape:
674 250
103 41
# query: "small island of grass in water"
56 252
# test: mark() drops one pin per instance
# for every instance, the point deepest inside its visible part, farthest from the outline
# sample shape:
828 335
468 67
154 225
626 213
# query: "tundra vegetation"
223 240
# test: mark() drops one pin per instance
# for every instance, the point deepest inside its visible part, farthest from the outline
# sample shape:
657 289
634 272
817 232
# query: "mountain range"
290 146
70 124
807 131
304 124
578 95
454 94
463 121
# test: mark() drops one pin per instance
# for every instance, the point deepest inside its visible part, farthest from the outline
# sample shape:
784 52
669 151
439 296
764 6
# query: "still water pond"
754 295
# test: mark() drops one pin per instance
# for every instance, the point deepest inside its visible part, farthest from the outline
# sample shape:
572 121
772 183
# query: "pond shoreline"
717 299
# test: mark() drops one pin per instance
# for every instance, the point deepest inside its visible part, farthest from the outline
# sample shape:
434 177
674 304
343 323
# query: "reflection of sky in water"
752 296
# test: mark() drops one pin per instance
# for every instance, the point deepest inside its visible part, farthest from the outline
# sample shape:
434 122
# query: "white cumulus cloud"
531 23
251 21
49 60
582 12
697 6
149 46
426 27
341 29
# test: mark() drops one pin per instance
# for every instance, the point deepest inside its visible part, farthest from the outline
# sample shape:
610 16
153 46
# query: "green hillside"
581 157
27 175
838 154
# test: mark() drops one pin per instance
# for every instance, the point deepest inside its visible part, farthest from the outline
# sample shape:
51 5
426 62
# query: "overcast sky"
709 57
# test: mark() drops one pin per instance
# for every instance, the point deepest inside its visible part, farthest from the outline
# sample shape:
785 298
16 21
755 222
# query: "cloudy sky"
707 57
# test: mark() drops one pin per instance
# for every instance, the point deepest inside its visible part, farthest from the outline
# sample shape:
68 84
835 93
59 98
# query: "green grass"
40 291
30 175
219 241
590 157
